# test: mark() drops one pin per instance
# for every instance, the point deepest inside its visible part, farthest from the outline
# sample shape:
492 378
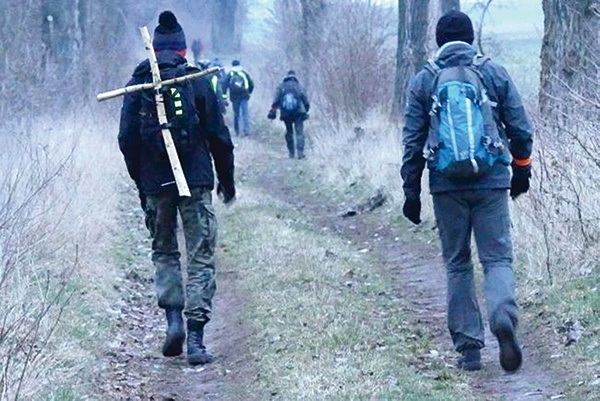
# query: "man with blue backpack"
292 101
465 120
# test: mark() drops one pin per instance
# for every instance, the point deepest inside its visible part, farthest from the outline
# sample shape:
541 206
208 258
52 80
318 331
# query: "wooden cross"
157 84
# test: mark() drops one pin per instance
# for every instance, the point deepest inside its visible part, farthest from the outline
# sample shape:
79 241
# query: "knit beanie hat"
168 35
453 26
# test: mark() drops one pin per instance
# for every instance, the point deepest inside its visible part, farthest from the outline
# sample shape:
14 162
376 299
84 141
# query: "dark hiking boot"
291 155
511 355
301 155
196 352
173 345
470 360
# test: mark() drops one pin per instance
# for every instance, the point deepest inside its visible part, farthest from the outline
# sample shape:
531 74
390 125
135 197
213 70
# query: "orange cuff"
522 162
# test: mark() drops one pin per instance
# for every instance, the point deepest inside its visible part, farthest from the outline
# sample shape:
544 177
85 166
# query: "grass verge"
325 322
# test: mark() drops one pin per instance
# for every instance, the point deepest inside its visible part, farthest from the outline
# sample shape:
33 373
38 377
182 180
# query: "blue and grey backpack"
289 102
463 140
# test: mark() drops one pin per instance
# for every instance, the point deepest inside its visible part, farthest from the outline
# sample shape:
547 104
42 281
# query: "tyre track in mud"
421 280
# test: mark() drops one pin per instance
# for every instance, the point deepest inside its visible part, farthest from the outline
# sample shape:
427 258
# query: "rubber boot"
196 352
173 345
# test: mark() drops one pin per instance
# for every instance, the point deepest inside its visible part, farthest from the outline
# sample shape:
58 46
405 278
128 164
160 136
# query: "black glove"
519 184
412 208
226 193
272 114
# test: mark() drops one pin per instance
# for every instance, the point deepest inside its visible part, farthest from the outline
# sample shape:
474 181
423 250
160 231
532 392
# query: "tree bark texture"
225 37
569 81
448 5
411 53
311 27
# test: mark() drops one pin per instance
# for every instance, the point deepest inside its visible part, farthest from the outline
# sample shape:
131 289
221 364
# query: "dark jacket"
153 175
248 83
514 125
291 84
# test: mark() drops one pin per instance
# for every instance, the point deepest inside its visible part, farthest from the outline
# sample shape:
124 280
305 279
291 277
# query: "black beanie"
168 35
454 26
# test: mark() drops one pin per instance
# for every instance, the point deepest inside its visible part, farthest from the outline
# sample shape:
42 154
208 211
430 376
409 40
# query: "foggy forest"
325 291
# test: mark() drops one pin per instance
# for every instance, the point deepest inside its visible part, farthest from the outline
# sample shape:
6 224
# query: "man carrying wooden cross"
200 137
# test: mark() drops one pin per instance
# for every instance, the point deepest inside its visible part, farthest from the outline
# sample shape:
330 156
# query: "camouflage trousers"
200 234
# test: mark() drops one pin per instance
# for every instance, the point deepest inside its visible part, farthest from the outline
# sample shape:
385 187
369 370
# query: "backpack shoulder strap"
432 67
478 61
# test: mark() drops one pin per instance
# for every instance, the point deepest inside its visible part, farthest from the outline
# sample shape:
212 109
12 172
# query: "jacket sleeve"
217 133
250 83
277 98
414 134
304 99
225 84
129 132
511 112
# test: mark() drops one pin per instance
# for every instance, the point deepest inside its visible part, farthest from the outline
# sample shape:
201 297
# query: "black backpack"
182 117
237 83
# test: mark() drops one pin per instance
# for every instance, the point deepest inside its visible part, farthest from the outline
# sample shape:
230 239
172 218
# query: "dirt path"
135 370
421 277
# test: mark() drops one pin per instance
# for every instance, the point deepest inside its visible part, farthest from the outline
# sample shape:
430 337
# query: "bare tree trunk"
448 5
570 60
62 32
411 52
224 37
312 16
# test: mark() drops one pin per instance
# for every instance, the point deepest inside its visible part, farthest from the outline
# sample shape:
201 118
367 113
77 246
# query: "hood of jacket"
455 53
167 58
290 78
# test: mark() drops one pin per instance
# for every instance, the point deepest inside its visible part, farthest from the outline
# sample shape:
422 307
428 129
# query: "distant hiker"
222 74
469 180
215 85
240 87
201 138
290 98
196 50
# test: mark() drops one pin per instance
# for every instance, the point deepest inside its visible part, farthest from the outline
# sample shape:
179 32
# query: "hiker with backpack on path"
465 119
240 87
292 101
201 138
215 84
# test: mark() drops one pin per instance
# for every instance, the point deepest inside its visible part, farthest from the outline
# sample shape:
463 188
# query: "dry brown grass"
56 210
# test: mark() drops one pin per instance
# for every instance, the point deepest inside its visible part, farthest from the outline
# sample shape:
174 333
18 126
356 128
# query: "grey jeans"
298 126
485 213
